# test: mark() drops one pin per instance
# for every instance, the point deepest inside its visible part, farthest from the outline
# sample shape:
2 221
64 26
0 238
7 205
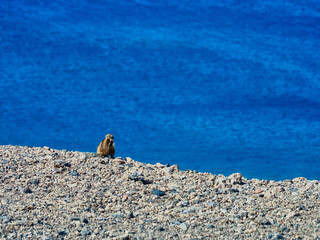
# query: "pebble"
35 181
184 226
84 220
74 173
27 190
72 196
85 232
60 164
157 192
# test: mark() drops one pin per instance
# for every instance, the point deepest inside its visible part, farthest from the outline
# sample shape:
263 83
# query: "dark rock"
60 164
185 204
84 220
34 181
210 226
161 229
27 190
285 230
130 215
146 181
301 207
157 192
234 190
62 233
138 176
275 236
262 221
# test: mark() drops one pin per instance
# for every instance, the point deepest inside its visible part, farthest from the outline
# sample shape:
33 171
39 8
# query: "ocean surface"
213 86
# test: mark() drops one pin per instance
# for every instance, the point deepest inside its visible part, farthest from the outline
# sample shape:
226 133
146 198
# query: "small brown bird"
106 147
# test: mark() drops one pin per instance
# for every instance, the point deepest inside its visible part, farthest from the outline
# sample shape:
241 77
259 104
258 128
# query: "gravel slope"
52 194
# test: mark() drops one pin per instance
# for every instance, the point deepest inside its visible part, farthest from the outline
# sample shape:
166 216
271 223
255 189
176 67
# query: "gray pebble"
157 192
74 173
184 226
85 231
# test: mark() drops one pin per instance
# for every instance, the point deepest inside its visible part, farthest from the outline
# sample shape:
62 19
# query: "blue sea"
213 86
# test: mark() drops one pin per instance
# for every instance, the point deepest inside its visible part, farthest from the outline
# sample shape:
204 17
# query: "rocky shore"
53 194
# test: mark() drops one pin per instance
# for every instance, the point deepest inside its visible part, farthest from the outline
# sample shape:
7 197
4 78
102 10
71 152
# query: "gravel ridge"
58 194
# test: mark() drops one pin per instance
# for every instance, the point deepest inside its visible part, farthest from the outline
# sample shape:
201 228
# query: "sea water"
213 86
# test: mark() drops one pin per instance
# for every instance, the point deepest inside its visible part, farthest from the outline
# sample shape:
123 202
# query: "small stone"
124 237
60 164
12 235
292 214
130 215
136 176
243 214
35 181
236 178
183 226
213 204
85 232
27 190
74 218
159 165
83 157
285 230
293 190
210 226
275 236
62 233
234 190
117 215
84 220
167 170
124 198
157 192
175 168
74 173
262 221
118 160
223 210
301 207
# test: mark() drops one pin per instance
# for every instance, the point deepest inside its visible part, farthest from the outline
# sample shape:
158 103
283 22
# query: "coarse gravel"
58 194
